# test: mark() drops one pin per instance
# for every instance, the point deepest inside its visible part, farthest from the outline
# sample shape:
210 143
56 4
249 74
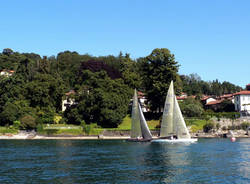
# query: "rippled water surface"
118 161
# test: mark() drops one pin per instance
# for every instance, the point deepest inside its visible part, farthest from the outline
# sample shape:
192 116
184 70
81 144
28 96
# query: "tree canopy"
103 86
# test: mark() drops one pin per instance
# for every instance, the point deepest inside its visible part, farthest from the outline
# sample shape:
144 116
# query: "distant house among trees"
242 101
68 100
143 100
7 73
182 97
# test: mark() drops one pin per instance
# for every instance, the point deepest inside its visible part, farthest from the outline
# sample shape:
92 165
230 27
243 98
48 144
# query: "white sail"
173 122
179 122
144 127
167 126
135 125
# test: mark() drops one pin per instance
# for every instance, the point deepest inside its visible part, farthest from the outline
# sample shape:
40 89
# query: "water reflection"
72 161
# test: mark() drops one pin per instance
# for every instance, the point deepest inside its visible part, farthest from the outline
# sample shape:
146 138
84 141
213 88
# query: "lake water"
118 161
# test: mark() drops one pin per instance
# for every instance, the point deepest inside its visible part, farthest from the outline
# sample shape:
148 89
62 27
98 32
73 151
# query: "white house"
68 100
207 99
7 73
143 101
242 102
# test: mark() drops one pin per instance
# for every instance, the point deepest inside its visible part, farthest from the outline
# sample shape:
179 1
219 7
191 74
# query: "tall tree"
158 69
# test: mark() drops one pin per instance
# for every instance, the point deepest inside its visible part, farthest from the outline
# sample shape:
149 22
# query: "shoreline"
92 137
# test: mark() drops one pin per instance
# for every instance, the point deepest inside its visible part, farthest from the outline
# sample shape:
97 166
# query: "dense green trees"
193 85
191 107
101 100
103 85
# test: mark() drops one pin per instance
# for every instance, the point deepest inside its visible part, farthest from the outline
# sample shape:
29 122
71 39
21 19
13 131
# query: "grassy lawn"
152 124
93 129
7 130
196 124
67 129
57 129
60 126
126 124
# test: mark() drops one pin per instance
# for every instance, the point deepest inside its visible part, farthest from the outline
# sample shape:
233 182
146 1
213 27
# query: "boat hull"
138 140
175 140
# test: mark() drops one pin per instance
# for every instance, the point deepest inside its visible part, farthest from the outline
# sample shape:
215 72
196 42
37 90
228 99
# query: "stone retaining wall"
123 133
229 122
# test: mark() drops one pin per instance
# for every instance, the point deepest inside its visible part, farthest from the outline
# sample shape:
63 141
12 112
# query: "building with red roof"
242 101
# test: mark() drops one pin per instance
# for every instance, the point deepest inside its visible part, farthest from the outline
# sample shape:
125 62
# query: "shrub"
16 124
218 126
28 122
191 108
244 125
39 128
224 128
208 127
87 129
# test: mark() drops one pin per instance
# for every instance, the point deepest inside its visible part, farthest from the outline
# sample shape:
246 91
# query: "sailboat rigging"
173 126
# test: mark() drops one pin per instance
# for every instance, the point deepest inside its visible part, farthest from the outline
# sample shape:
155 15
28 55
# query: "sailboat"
139 128
173 126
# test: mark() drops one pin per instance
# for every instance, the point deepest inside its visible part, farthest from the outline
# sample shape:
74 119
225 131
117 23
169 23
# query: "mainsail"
167 126
135 125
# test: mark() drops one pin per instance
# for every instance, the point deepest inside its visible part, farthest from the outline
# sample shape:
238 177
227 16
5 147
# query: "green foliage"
45 91
38 85
208 127
39 128
59 129
196 124
7 130
102 100
16 125
193 85
157 70
218 126
191 108
229 115
9 114
69 132
226 106
28 122
245 125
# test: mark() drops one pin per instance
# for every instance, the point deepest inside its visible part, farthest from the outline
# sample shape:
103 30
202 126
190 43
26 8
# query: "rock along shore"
116 135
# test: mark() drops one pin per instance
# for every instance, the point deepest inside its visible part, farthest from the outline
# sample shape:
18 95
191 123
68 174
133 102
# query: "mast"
167 126
135 125
146 134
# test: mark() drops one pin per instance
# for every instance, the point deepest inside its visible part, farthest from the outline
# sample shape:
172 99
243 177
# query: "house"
143 101
7 73
207 99
214 104
68 100
227 97
242 101
182 97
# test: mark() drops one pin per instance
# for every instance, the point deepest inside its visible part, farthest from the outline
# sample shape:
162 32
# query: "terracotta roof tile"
242 93
214 102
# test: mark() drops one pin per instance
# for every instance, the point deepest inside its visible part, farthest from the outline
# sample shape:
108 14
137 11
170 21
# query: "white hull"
175 140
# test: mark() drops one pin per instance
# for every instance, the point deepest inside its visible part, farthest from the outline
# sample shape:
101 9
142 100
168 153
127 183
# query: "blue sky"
210 37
